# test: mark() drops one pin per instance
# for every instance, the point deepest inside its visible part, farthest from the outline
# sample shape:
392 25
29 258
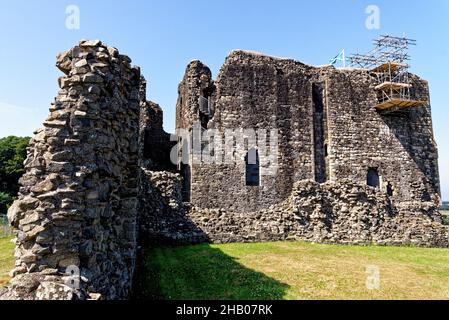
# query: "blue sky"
163 36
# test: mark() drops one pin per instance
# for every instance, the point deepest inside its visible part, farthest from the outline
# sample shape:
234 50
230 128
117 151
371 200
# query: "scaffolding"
388 62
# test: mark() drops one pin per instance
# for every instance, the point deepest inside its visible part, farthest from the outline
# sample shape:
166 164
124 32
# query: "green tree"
5 202
12 156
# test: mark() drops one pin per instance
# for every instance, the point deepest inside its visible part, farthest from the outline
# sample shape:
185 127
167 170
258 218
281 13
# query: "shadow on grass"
200 272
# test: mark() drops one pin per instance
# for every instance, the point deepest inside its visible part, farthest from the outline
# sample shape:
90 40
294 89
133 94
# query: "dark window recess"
252 168
207 92
204 105
389 189
317 96
186 175
319 122
204 119
373 179
204 112
426 196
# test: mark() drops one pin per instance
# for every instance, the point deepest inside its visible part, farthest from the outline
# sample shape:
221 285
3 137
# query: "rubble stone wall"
155 144
400 146
328 130
99 179
77 206
340 212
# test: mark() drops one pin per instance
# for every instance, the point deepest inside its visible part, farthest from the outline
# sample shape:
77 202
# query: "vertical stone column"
77 205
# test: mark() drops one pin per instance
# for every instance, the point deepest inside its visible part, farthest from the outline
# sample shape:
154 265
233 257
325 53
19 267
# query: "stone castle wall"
99 179
155 144
77 206
328 130
340 212
252 94
400 146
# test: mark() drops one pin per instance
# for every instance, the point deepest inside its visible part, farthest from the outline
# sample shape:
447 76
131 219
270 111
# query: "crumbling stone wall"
197 82
155 144
251 93
328 129
99 177
163 214
400 146
77 206
340 212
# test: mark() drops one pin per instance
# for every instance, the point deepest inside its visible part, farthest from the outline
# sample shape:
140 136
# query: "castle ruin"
313 157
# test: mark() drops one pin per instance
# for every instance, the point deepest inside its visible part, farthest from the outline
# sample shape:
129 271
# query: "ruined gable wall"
258 92
77 206
197 78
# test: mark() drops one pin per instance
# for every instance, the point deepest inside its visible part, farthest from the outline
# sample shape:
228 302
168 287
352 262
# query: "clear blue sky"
163 36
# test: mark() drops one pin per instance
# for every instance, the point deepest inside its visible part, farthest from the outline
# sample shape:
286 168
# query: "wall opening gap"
373 178
252 171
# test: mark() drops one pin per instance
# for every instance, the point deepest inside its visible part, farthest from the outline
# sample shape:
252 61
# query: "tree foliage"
5 201
12 155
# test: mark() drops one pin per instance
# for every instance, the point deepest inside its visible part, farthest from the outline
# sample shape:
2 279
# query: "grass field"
292 270
6 259
6 251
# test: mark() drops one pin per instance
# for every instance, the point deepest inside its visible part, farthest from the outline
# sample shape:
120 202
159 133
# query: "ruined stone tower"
328 127
312 159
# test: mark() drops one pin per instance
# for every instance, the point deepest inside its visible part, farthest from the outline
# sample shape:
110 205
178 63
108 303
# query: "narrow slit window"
252 168
390 191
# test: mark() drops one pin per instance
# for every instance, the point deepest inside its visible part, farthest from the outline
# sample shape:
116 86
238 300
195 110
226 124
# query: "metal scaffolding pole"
388 61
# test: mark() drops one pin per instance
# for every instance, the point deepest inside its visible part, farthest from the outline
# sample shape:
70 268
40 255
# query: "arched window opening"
373 179
252 168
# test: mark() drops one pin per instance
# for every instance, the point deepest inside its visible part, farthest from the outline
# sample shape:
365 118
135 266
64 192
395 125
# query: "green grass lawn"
292 270
6 251
6 259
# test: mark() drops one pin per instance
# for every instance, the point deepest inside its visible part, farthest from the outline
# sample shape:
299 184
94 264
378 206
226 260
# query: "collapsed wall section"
155 144
77 206
163 214
340 212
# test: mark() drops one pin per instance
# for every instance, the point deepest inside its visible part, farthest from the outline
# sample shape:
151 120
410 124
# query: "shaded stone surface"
77 206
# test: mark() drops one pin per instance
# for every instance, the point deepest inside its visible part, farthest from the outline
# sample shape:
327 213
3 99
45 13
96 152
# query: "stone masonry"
328 130
101 178
334 212
77 207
